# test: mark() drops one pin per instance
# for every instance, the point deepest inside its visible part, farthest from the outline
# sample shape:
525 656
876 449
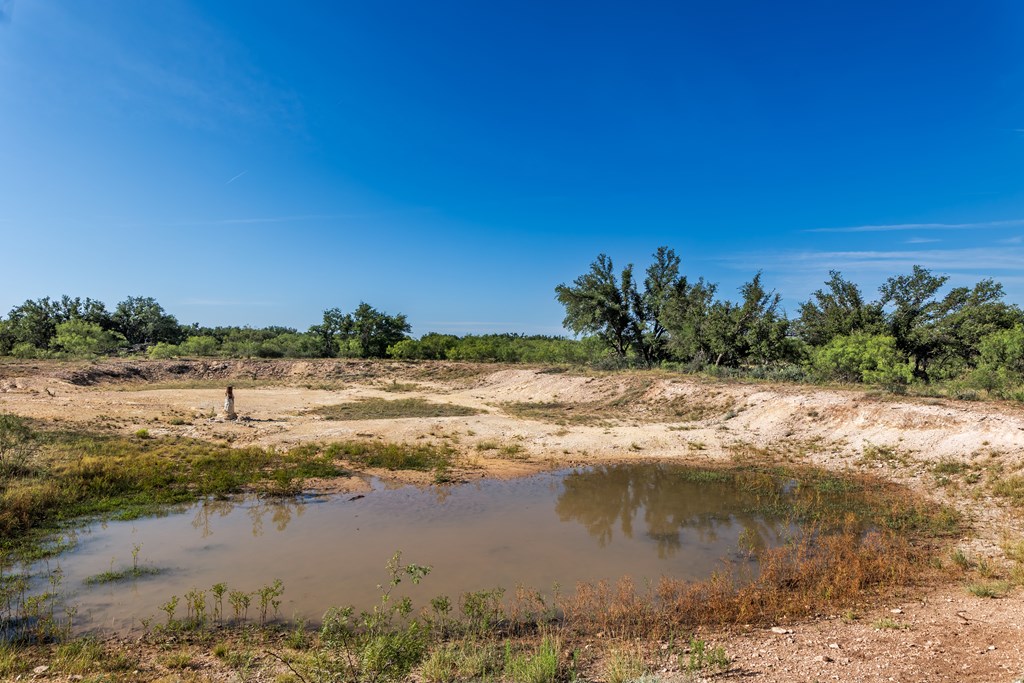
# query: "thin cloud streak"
983 259
924 226
237 177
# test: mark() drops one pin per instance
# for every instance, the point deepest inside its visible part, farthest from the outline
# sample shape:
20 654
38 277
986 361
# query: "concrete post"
229 405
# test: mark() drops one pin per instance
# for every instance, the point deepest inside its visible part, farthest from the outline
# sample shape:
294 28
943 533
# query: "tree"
648 309
143 321
597 304
686 316
35 323
376 331
752 332
335 326
366 332
614 309
837 311
946 330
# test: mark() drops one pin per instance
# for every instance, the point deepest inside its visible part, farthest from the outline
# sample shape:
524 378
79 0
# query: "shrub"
17 445
165 350
81 338
862 357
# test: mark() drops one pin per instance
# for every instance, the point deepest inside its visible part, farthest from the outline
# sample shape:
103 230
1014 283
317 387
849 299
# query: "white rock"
781 631
41 669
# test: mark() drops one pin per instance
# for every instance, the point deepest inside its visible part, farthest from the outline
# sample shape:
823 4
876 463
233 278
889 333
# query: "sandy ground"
950 635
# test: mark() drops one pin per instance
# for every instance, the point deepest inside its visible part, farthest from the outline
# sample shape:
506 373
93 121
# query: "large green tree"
945 330
365 332
614 308
143 321
35 322
596 303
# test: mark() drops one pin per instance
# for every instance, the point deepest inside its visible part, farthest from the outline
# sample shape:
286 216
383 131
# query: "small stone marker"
229 405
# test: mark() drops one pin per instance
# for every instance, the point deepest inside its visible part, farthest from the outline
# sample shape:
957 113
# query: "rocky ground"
953 451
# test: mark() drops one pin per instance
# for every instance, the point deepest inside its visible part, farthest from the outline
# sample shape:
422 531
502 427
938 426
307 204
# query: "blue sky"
257 162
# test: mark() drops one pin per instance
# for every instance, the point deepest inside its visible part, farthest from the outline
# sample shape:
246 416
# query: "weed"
482 610
122 575
961 560
1012 488
487 446
442 665
512 450
240 601
991 589
702 657
888 455
142 434
624 666
542 666
177 660
383 644
78 656
18 446
421 457
269 598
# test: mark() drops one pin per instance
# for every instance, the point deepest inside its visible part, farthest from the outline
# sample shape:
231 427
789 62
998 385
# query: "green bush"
165 350
78 337
862 357
202 345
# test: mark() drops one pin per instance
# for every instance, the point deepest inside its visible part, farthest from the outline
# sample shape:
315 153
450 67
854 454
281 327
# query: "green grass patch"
386 409
126 574
1011 488
422 457
988 589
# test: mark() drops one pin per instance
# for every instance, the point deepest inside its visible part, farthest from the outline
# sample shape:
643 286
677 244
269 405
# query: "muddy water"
561 527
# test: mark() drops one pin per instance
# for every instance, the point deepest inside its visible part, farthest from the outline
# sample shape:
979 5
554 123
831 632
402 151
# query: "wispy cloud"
896 227
237 177
977 259
6 11
922 240
1019 239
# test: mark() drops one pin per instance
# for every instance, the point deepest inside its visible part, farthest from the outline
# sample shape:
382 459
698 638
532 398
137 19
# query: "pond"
644 520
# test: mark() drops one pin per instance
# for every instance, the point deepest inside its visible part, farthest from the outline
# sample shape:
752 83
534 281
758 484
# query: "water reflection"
610 497
281 511
644 520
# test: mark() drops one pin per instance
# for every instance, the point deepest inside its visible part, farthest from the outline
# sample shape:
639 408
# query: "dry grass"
819 573
384 409
629 405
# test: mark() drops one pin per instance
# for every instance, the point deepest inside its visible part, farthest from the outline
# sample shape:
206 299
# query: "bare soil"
536 418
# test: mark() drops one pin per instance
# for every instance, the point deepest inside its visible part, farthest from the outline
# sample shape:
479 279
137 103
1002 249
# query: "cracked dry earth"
935 633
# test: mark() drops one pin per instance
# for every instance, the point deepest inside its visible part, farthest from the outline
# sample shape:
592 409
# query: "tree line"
73 327
915 330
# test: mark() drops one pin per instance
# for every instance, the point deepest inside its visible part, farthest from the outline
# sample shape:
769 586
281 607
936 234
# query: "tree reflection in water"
673 499
281 511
